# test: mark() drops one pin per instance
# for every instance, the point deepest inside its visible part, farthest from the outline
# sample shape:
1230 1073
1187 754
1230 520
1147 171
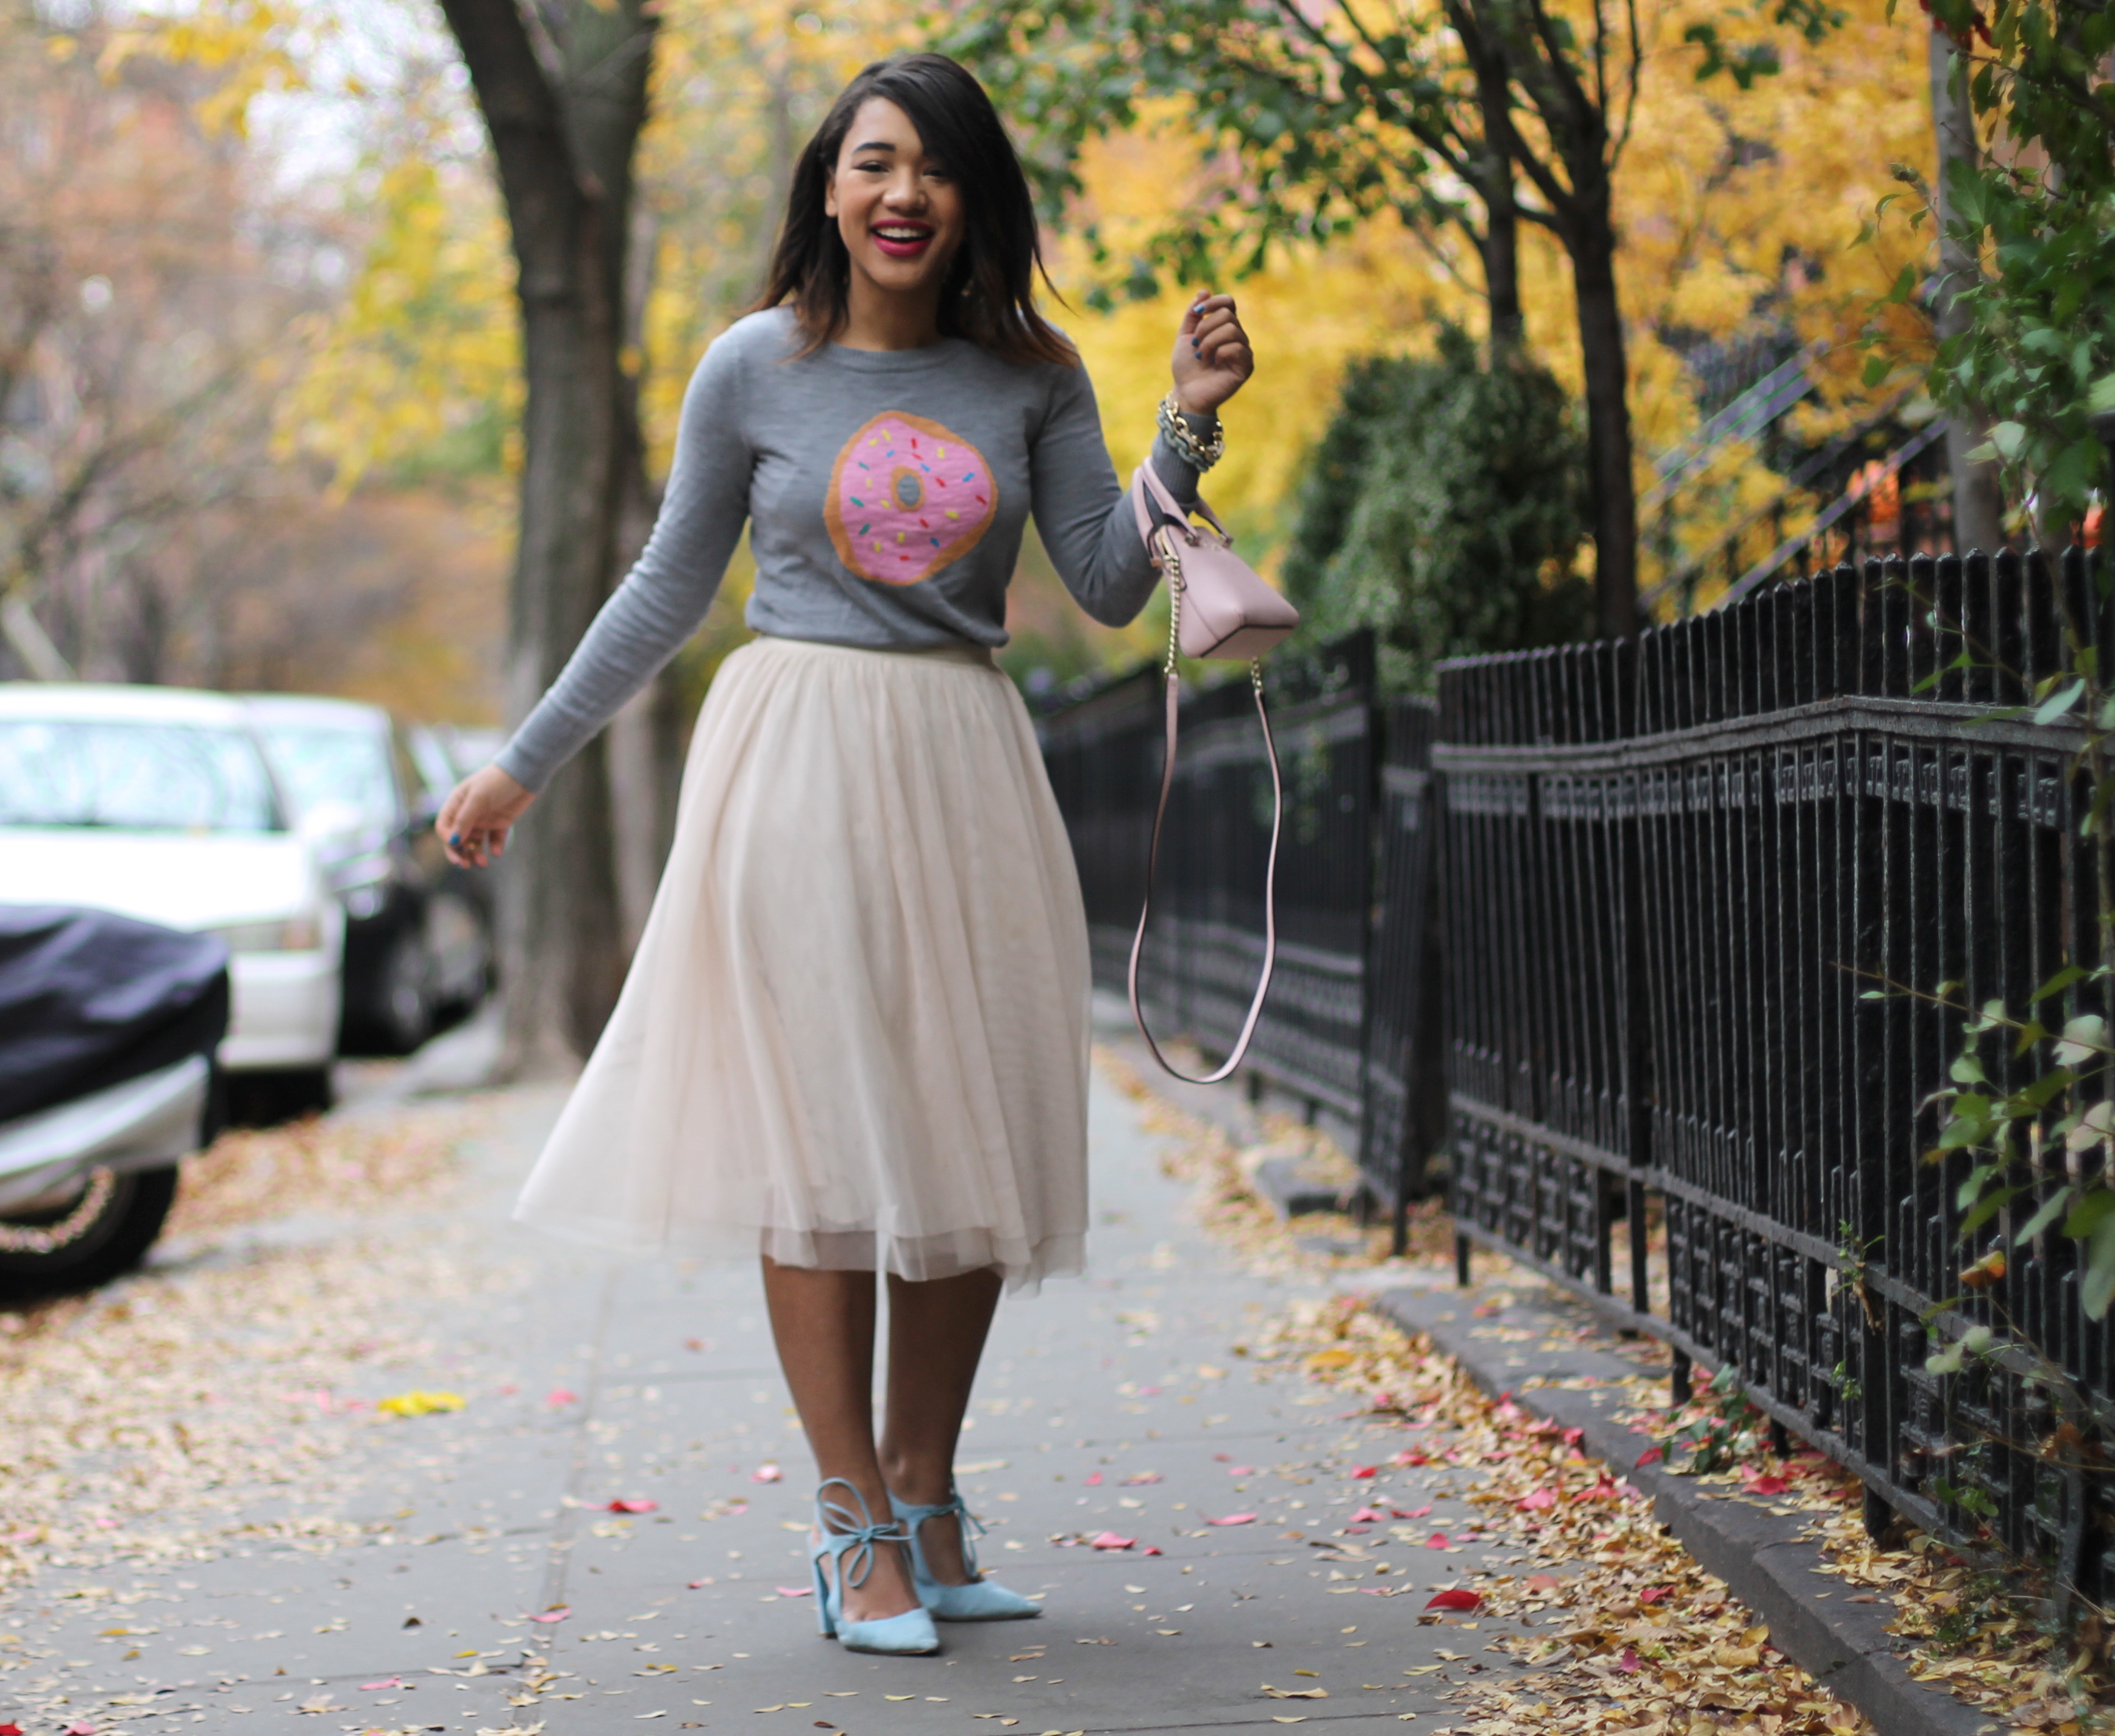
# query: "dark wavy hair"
989 295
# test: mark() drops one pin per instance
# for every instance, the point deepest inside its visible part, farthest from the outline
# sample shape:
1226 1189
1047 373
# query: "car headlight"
292 935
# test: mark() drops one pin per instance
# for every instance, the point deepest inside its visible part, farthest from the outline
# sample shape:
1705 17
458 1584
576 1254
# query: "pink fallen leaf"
1652 1455
1366 1516
767 1474
1148 1391
1459 1597
1630 1663
1537 1500
557 1612
1416 1513
1653 1594
1233 1519
1142 1477
1438 1540
1365 1470
1544 1582
1572 1437
1240 1471
562 1395
1151 1549
376 1687
698 1585
634 1503
80 1729
793 1591
1095 1478
1767 1485
1110 1540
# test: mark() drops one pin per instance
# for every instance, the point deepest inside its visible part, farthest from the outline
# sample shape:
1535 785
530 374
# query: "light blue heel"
980 1600
846 1535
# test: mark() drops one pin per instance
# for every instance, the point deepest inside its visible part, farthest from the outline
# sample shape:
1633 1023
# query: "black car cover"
89 1000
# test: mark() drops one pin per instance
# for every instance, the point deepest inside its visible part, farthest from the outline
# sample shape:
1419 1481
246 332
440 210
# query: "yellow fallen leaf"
417 1402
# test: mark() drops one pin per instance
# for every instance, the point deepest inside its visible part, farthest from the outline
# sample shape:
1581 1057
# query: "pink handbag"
1218 607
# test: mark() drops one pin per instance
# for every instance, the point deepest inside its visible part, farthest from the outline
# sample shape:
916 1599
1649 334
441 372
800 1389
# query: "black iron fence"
1347 1026
1668 877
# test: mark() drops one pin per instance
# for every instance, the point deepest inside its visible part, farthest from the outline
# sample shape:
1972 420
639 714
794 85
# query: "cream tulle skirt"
855 1036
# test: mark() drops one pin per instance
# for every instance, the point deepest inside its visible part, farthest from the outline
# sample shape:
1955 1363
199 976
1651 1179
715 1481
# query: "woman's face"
899 211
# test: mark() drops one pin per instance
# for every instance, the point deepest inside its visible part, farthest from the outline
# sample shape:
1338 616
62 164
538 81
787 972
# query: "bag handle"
1171 688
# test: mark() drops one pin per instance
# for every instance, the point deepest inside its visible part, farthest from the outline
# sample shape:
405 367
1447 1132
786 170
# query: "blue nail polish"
455 840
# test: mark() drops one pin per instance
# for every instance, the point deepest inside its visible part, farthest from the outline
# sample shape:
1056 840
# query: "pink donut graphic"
907 497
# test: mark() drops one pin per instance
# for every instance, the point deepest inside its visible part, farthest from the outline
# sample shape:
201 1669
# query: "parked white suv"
157 803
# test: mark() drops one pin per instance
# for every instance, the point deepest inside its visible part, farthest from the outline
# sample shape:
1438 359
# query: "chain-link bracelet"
1201 455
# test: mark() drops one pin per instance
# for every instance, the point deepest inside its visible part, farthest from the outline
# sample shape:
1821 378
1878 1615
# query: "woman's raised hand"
479 814
1212 355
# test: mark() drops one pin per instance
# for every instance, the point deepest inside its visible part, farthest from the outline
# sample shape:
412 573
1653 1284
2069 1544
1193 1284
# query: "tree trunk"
1615 509
1502 211
565 169
1978 506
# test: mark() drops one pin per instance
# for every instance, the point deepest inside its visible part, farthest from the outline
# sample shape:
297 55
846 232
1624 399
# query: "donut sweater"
885 492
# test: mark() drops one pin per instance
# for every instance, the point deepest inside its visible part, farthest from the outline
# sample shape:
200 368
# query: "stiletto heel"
908 1635
980 1600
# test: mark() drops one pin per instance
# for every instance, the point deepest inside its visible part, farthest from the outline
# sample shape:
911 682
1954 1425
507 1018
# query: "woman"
854 1038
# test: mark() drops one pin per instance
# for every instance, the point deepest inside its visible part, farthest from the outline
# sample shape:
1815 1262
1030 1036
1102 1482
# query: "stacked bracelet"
1201 455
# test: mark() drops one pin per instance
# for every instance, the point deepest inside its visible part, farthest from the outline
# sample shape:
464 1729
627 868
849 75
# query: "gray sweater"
886 494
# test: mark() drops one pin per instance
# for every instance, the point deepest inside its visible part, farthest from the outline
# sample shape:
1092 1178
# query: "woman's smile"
902 240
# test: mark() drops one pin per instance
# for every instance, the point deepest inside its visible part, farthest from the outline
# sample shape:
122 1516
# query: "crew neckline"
896 361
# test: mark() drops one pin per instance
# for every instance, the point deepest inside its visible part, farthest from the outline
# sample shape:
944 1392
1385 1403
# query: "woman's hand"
477 815
1212 355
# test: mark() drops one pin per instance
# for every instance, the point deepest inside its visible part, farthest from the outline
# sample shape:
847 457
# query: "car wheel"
404 1007
89 1237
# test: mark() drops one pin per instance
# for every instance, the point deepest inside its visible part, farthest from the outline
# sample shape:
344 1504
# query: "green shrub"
1443 508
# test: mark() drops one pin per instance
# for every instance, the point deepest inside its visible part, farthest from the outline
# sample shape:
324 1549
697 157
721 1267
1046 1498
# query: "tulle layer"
854 1034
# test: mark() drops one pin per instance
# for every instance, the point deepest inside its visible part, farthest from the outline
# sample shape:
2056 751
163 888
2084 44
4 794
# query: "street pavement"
490 1587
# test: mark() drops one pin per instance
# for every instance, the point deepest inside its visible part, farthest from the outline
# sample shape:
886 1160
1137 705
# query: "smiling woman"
854 1037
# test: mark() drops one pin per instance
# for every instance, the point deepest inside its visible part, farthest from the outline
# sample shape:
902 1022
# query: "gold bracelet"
1201 455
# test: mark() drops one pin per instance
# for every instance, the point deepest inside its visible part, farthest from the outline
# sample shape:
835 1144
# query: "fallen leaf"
375 1688
1234 1518
635 1504
767 1474
418 1402
1537 1500
1110 1540
1456 1597
560 1395
1652 1455
1365 1470
794 1591
557 1612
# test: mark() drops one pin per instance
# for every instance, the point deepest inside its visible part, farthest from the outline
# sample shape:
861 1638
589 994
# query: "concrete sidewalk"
1116 1403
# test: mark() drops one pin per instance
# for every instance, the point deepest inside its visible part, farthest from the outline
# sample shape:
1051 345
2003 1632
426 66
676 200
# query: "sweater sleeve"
666 594
1081 510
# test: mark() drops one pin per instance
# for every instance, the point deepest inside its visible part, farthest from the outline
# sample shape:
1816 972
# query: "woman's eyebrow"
875 144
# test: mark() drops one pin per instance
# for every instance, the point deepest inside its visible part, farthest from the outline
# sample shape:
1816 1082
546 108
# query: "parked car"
158 803
418 935
108 1031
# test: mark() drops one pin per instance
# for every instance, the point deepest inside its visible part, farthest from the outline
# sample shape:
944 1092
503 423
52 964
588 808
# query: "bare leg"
936 1335
824 1323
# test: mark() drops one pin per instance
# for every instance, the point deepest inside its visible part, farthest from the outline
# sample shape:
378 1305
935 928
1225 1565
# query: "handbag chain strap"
1171 694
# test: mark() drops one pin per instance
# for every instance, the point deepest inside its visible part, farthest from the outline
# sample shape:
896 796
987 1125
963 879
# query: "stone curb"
1763 1558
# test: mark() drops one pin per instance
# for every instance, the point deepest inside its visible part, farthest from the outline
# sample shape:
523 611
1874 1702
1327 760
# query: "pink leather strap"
1172 690
1149 479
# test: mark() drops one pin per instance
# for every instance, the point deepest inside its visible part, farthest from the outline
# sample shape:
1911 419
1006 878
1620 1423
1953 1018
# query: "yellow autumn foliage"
1737 210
